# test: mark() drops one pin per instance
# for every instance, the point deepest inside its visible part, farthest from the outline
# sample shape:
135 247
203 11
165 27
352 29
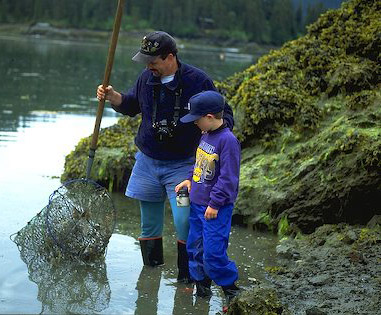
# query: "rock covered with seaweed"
114 157
308 117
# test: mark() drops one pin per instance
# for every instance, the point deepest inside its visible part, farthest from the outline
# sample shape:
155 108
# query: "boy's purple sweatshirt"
215 175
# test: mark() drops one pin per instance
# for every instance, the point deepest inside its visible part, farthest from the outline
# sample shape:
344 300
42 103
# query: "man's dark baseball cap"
203 103
155 44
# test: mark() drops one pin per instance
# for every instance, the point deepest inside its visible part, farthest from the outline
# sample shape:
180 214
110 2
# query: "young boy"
213 188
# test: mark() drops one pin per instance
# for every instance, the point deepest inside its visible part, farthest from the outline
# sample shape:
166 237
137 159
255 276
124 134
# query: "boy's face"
205 123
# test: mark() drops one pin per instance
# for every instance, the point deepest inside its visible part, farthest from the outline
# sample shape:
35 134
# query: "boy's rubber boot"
152 252
183 264
203 288
230 291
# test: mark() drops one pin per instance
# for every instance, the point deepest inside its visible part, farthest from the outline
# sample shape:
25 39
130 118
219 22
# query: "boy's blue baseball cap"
203 103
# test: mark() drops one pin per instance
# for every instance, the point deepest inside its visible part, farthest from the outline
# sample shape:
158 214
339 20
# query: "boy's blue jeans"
207 245
151 181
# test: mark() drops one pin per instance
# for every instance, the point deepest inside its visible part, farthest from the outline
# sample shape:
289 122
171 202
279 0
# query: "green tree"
313 12
282 22
254 21
4 9
299 25
159 14
262 21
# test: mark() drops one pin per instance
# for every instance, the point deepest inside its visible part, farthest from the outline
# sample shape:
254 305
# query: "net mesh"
72 287
77 223
64 247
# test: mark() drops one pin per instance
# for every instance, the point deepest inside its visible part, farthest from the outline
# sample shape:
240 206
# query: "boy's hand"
210 213
186 183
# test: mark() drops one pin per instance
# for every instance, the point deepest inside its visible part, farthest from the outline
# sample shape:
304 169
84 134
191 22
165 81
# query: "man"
166 146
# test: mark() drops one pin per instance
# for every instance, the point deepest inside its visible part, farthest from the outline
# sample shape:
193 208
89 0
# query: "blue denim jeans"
151 182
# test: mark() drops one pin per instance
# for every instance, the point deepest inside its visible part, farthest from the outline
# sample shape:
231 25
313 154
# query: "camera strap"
176 114
178 92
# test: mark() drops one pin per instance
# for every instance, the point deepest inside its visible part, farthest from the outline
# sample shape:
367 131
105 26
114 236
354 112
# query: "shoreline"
46 30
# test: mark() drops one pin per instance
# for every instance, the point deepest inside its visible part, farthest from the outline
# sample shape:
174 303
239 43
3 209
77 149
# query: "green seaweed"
258 301
114 156
284 227
308 117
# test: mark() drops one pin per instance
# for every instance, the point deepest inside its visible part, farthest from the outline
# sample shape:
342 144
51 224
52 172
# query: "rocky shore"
335 270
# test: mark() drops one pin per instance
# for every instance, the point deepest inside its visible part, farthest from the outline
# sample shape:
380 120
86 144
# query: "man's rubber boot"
203 288
152 252
183 264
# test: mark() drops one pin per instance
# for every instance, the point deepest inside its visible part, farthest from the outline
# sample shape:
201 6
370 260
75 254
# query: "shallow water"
47 105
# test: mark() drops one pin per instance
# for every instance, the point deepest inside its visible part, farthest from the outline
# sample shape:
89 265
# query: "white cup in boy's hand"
182 198
186 183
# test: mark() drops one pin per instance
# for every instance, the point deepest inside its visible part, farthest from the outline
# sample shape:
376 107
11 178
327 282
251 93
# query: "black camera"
164 129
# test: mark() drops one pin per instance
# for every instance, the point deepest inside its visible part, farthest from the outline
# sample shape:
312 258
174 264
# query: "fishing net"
77 223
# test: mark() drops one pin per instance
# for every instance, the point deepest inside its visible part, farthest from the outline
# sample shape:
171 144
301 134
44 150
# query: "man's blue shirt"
139 99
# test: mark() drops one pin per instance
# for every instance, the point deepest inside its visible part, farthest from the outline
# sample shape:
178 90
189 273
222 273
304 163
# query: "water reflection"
5 137
73 288
181 300
47 76
64 286
157 289
148 289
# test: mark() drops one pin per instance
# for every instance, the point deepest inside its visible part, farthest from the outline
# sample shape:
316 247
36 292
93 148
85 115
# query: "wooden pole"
106 81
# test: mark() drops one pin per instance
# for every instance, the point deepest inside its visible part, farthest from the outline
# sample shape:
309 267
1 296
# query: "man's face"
160 67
